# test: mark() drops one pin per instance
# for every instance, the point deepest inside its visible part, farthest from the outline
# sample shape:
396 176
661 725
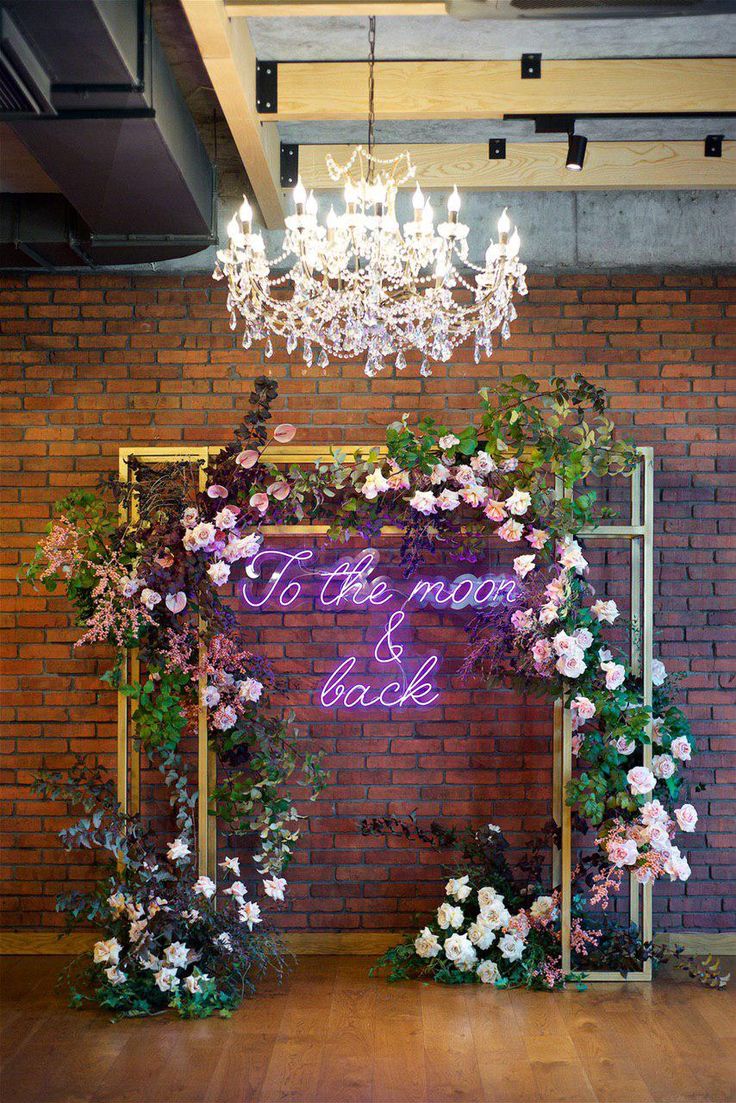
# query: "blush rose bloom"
494 510
583 707
424 502
640 780
523 564
680 748
654 812
622 852
448 499
663 766
571 664
510 531
615 674
686 817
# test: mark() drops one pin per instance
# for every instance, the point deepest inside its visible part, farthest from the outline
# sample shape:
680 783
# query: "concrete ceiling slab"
412 132
426 37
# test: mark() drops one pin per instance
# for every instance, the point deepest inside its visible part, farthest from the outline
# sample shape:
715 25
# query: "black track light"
576 144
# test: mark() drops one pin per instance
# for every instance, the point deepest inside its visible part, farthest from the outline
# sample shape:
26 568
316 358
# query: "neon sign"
352 583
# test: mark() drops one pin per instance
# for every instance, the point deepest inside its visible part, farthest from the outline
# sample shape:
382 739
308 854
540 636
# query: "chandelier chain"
371 84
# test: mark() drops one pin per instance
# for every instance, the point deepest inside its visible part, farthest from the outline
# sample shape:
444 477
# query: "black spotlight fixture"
576 144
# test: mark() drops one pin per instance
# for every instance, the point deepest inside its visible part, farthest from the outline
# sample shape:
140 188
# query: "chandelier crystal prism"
364 286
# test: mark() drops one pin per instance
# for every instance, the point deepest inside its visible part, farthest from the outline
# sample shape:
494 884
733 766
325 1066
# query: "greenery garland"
153 584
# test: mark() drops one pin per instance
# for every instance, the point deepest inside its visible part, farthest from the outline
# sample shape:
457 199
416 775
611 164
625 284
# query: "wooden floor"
331 1034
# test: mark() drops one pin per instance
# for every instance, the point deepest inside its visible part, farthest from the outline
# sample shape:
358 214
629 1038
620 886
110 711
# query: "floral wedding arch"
155 585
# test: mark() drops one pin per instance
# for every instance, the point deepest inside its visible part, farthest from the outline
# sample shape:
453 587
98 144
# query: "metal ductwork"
86 88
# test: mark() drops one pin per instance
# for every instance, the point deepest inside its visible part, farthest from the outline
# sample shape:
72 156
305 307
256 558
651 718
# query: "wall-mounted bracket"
267 96
713 145
496 149
289 165
531 66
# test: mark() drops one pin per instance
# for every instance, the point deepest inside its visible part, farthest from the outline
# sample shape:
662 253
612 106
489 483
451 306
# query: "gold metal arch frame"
639 532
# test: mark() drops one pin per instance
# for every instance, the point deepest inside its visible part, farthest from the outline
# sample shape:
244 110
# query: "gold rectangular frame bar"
640 531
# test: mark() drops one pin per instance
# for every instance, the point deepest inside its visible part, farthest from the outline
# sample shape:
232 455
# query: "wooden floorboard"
331 1034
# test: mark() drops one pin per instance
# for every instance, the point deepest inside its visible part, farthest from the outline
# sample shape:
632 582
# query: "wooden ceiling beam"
540 166
492 89
230 60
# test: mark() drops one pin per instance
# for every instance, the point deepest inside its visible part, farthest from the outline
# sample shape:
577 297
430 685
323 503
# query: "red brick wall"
94 362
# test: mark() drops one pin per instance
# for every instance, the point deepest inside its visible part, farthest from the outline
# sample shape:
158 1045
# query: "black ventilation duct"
112 131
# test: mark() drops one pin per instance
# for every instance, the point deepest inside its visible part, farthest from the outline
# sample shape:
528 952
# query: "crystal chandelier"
361 285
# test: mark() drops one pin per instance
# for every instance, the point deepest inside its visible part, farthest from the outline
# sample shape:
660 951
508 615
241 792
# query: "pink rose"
542 652
571 664
663 766
680 748
686 817
654 812
622 852
677 866
615 674
624 746
641 780
537 538
494 510
523 564
658 838
583 707
510 531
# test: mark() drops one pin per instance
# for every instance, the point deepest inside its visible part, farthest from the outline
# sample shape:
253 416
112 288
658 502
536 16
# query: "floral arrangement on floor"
498 926
156 585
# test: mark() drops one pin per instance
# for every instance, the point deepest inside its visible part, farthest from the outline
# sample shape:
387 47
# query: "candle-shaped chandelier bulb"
504 225
311 205
246 214
300 197
453 205
417 202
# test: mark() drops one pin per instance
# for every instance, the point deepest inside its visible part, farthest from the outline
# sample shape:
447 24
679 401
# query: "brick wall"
94 362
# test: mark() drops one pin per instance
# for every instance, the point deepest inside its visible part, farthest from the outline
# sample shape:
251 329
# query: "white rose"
511 947
459 888
218 573
481 933
166 979
115 975
640 780
204 886
426 944
518 502
107 953
496 914
659 672
486 896
449 916
448 441
460 950
178 849
176 955
487 972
